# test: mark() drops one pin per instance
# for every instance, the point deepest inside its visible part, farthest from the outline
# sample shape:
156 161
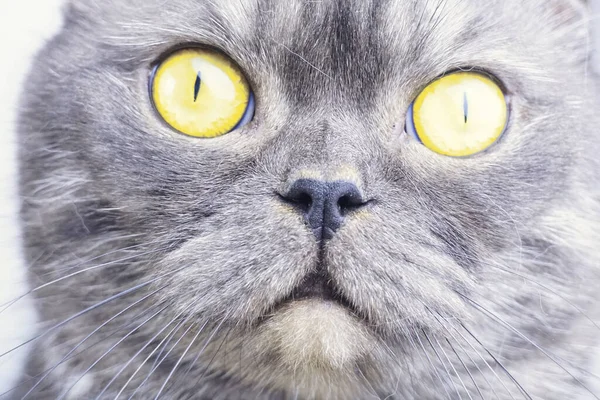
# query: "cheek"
479 203
389 265
243 261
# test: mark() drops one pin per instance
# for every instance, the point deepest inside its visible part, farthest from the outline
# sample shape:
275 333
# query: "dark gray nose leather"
324 204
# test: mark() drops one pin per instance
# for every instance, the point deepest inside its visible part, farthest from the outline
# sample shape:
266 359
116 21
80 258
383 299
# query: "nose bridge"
327 173
328 149
317 143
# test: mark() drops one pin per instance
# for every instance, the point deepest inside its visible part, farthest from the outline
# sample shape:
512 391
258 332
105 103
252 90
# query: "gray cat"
321 231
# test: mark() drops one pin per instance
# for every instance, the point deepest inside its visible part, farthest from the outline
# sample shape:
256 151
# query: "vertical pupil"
197 86
466 107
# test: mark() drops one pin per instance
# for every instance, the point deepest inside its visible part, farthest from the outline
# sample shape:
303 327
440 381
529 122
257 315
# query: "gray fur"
111 191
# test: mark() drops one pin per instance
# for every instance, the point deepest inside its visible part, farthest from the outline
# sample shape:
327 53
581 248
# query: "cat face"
420 244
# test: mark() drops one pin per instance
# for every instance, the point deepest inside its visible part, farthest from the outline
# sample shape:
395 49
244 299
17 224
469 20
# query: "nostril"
323 204
304 198
347 197
302 201
348 203
299 198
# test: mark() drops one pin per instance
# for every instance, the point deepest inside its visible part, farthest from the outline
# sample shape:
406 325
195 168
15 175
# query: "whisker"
54 271
77 315
469 356
414 345
212 359
558 295
418 25
448 358
92 268
89 336
117 250
171 336
63 395
371 388
452 366
114 332
438 20
466 369
206 342
443 364
549 289
433 367
515 330
91 308
164 385
554 292
148 343
302 58
574 306
164 357
523 391
405 367
158 360
485 362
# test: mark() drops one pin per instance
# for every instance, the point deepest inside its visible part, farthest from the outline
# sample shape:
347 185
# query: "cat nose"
324 204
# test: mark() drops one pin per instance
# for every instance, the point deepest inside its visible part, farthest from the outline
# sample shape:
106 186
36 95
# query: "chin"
312 347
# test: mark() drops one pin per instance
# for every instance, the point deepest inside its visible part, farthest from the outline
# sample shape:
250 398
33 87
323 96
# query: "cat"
325 247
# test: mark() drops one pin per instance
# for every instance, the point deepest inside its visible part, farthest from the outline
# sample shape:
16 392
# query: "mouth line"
314 288
332 297
317 285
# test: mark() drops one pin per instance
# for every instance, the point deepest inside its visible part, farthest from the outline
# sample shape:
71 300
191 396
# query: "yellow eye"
459 114
201 93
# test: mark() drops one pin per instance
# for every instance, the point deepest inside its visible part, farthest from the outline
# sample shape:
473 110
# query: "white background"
24 25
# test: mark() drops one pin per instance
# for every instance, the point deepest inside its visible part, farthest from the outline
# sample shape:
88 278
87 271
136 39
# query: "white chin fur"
314 335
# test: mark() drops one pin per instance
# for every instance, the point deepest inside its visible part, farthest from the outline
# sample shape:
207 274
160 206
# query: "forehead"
325 48
329 34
